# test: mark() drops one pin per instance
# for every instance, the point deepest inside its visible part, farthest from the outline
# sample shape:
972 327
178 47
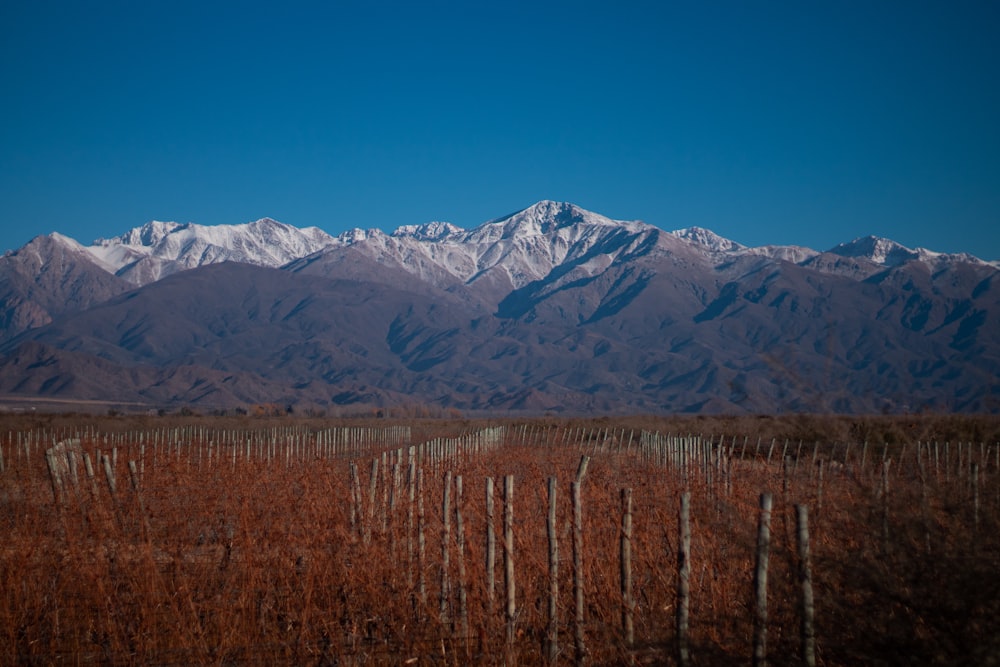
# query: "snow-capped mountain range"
552 307
526 244
158 249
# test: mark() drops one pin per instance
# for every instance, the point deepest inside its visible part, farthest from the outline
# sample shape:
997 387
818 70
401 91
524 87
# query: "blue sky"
804 123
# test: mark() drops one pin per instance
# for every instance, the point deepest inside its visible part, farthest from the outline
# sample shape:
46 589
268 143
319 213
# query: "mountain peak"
549 215
357 235
543 218
708 238
157 249
428 231
877 249
147 235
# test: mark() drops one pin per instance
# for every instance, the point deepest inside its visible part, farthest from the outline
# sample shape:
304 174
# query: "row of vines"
530 544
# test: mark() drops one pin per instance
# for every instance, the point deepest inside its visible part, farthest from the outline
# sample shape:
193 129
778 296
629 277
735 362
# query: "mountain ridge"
551 308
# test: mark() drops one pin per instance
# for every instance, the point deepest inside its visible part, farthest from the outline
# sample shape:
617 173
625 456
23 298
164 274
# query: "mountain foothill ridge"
549 309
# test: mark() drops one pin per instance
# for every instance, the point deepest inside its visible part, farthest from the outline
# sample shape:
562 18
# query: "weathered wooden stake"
808 631
578 617
411 483
389 522
369 524
508 557
355 495
924 499
581 470
684 580
628 605
386 493
491 553
421 544
760 582
445 596
134 474
463 609
89 467
552 635
55 477
109 474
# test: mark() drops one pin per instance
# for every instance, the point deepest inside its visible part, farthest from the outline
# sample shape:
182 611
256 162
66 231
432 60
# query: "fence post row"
703 463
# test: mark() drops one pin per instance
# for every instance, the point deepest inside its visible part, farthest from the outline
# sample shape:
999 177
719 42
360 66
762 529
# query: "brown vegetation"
246 542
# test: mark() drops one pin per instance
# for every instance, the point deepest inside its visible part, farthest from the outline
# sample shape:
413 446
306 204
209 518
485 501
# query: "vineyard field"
533 542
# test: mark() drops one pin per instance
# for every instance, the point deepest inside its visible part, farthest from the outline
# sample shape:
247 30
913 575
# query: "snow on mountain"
545 217
789 253
708 239
888 253
69 244
876 249
527 245
430 231
157 249
721 248
512 251
508 252
149 234
933 257
881 252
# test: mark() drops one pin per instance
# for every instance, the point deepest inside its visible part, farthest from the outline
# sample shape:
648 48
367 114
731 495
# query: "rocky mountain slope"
552 308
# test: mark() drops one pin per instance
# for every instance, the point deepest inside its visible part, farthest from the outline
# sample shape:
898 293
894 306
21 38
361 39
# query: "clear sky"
805 123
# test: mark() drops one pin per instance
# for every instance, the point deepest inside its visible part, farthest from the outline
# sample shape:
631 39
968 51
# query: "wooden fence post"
134 474
421 544
628 627
508 557
491 553
369 523
411 483
580 649
684 580
89 468
924 499
463 609
389 521
445 596
55 477
578 617
355 497
552 636
109 474
808 632
760 582
581 470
